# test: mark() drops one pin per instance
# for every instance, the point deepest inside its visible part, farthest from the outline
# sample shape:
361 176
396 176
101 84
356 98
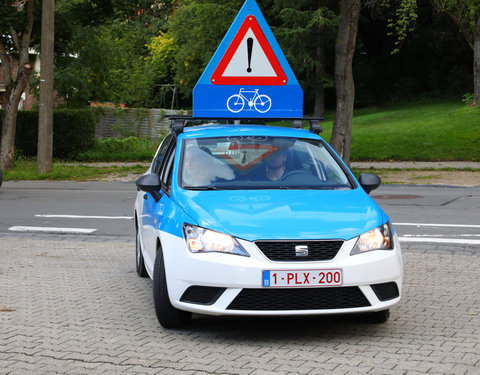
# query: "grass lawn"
419 132
27 170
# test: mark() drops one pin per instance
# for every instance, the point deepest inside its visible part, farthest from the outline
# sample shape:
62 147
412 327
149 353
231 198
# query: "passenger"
197 167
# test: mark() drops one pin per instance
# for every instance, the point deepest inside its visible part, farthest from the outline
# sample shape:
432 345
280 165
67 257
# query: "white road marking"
438 225
439 235
87 217
440 240
52 230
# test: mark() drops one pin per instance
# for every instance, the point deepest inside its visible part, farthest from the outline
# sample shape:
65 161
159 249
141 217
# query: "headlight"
201 240
377 239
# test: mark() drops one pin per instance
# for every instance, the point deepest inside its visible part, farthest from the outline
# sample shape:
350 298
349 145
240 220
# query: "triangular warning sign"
249 60
248 76
242 159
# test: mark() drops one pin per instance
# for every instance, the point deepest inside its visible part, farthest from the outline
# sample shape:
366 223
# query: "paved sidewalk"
71 307
416 164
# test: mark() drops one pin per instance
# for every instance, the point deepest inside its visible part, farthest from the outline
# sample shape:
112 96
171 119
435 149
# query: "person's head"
276 160
196 166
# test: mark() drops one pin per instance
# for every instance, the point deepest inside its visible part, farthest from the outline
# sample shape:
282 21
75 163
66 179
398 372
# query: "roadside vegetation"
127 149
438 131
64 171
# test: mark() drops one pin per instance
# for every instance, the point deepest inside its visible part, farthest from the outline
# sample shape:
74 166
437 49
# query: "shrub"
112 149
73 132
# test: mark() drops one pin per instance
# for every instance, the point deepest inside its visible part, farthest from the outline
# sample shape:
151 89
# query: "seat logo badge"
301 251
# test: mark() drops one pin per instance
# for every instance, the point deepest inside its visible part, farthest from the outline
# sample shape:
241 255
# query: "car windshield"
259 162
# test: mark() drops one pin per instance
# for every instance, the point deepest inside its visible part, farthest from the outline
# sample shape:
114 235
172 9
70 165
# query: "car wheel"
141 270
378 316
167 315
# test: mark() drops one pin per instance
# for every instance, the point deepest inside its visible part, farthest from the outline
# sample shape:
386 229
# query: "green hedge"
73 132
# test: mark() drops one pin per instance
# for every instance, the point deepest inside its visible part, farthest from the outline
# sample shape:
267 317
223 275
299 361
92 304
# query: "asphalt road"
73 303
427 216
106 207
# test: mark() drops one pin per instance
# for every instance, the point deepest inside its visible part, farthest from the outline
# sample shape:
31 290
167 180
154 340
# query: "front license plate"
281 278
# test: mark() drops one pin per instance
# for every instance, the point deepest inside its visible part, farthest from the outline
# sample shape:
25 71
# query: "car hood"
283 214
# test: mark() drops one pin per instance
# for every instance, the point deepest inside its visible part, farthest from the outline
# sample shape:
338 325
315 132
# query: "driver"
275 166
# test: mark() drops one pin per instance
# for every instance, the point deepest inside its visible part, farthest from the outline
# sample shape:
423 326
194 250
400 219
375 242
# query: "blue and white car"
262 220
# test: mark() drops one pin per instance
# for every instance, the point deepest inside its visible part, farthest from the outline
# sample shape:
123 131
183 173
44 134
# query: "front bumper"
225 284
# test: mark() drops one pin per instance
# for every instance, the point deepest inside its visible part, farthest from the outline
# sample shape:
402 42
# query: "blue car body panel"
173 218
268 214
203 131
284 214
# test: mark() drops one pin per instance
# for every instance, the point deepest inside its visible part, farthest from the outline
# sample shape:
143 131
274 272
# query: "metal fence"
145 123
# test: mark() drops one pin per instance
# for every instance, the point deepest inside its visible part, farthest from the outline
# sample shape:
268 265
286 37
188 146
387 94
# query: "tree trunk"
13 95
319 109
16 70
345 87
476 66
7 146
45 112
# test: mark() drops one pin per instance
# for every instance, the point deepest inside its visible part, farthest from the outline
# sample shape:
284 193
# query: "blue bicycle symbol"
261 103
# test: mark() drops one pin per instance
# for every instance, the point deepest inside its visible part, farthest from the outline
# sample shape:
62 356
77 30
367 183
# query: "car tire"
378 316
167 315
139 261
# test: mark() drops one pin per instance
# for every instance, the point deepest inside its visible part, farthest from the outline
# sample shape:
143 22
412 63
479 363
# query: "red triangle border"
250 22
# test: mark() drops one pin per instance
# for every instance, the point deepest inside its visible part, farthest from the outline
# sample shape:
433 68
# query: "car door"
153 212
147 204
144 216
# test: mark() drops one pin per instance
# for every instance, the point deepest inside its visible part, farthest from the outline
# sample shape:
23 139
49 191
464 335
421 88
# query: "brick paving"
78 307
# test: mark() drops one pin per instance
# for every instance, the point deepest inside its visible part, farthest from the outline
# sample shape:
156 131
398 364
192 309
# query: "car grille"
285 250
299 299
386 291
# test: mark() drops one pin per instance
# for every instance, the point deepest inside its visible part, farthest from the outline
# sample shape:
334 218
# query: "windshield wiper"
200 187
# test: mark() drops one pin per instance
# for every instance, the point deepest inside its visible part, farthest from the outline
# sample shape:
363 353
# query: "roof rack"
178 122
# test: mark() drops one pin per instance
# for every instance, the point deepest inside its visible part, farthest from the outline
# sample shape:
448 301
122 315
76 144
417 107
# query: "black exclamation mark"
249 51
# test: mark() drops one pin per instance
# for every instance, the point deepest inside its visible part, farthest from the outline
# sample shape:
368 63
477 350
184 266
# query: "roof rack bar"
178 122
297 124
316 124
177 125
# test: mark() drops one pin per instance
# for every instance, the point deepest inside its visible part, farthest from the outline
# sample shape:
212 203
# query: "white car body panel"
234 272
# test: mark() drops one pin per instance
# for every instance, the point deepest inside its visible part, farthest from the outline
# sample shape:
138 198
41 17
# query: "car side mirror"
151 184
369 181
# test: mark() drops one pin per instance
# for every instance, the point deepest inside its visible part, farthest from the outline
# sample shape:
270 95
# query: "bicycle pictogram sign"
262 103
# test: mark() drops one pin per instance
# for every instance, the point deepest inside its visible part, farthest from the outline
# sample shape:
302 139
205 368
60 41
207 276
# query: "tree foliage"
306 31
101 53
406 13
466 15
302 24
195 31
